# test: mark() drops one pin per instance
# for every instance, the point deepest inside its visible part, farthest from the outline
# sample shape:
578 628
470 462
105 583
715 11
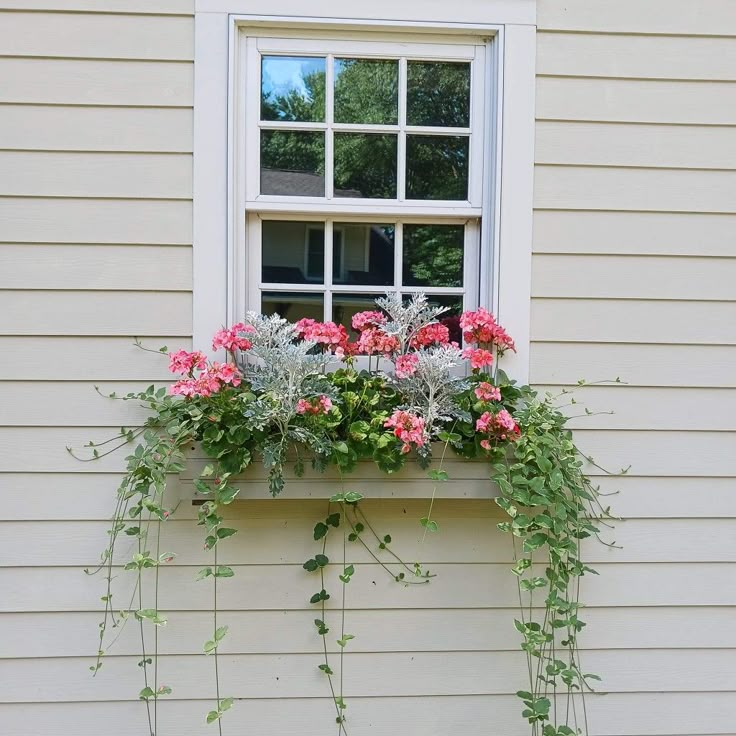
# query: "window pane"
293 305
433 255
365 165
293 163
438 93
344 306
366 91
292 252
368 254
437 167
293 88
450 318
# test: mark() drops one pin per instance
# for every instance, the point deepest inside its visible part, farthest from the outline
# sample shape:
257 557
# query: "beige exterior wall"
634 269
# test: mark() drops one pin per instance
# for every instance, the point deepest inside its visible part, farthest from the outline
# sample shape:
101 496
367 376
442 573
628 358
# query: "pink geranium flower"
321 405
408 427
406 365
231 339
328 334
499 426
487 392
434 334
478 357
373 341
183 362
365 320
480 327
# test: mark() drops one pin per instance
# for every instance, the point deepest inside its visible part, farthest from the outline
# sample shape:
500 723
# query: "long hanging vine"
274 401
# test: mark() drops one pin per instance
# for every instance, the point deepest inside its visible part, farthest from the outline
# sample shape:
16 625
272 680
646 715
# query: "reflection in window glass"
293 88
316 254
433 255
288 252
344 306
366 91
368 254
437 167
438 93
293 305
365 165
450 318
292 163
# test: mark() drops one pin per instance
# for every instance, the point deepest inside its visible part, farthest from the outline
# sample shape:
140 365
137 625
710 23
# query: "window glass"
366 91
369 254
292 163
433 255
293 305
437 167
438 94
365 165
293 88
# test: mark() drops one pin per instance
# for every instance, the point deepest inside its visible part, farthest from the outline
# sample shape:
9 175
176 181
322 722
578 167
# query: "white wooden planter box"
466 479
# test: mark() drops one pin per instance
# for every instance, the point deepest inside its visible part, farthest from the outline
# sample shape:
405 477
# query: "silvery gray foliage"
282 371
406 318
432 390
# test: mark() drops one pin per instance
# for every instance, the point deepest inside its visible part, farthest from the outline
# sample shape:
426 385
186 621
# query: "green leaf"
146 693
221 633
152 615
321 560
322 628
213 715
326 669
226 704
345 639
535 541
310 565
429 524
320 530
438 475
223 571
204 573
333 520
224 532
353 497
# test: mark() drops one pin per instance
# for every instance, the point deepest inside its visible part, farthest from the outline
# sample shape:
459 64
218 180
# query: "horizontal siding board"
618 586
96 36
92 267
77 174
621 144
42 450
89 313
95 221
94 82
617 714
594 188
91 496
85 358
686 366
633 321
640 277
55 127
270 540
656 233
707 17
645 408
636 101
164 7
381 674
630 56
407 630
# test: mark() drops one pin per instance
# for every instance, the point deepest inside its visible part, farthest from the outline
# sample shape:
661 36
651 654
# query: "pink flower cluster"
230 338
499 426
373 341
406 365
434 334
208 382
364 320
320 405
408 427
333 337
185 363
478 357
480 327
487 392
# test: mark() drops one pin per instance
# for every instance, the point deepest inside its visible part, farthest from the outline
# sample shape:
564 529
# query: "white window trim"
506 288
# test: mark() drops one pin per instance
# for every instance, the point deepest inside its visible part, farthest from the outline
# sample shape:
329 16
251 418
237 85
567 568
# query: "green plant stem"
215 653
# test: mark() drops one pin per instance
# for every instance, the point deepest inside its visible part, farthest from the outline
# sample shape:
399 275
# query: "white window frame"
507 27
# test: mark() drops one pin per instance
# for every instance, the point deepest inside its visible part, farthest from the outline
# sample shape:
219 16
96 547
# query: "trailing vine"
275 402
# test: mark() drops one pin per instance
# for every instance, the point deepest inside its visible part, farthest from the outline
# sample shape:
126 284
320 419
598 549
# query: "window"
365 164
388 86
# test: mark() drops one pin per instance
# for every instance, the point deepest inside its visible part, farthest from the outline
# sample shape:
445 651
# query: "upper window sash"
251 126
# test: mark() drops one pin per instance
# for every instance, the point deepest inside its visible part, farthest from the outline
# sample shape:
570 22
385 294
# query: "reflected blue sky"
283 74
